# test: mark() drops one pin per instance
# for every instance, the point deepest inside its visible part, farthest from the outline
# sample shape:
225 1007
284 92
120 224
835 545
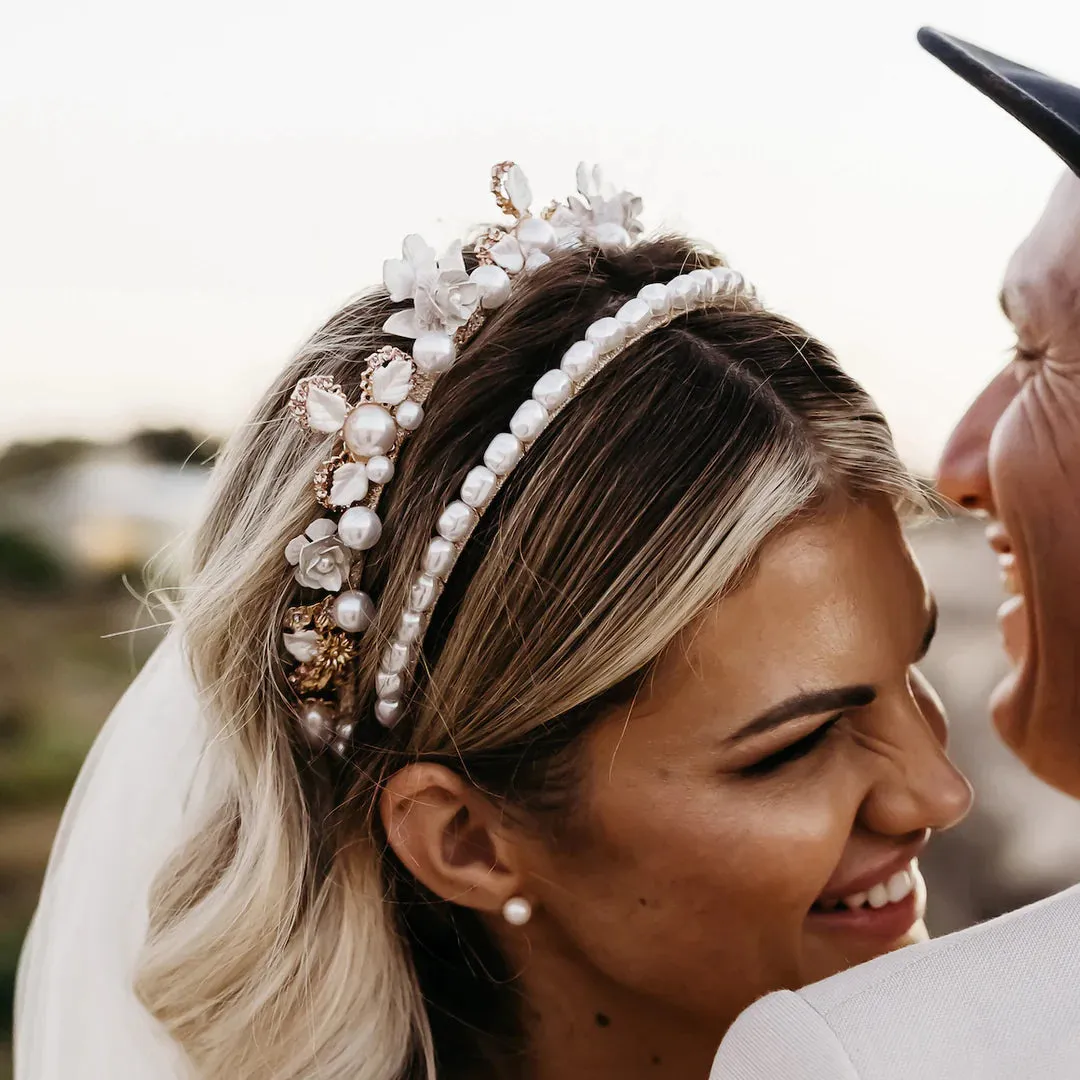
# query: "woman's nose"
919 788
964 469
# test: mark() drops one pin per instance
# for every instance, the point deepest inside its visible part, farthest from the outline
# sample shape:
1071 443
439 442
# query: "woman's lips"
887 921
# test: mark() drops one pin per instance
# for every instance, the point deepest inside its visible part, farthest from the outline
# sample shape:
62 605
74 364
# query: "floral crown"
448 306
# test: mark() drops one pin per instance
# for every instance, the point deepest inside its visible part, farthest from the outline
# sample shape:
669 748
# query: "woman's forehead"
834 600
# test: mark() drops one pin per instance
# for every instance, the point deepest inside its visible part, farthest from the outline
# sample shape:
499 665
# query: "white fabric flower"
321 559
302 645
606 218
525 247
443 296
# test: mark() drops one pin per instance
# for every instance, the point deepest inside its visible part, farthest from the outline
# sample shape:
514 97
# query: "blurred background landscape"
188 191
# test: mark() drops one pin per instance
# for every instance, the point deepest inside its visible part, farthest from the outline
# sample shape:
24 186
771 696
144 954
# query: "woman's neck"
579 1023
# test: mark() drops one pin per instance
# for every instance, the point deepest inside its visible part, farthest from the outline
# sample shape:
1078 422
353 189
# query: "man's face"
1015 456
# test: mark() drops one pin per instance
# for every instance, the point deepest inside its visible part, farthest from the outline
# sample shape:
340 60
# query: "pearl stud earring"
517 911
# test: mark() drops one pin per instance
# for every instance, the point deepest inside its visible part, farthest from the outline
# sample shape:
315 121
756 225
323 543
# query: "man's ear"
450 837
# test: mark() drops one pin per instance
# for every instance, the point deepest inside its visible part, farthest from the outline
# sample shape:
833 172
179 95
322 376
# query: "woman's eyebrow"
807 704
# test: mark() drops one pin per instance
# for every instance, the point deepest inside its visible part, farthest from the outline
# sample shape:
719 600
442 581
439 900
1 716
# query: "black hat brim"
1048 107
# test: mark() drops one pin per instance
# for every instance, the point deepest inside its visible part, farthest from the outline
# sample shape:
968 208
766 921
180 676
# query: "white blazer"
998 1001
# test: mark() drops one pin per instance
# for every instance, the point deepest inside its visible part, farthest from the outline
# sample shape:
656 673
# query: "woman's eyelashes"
791 752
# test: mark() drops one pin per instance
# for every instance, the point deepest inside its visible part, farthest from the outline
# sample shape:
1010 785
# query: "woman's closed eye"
793 751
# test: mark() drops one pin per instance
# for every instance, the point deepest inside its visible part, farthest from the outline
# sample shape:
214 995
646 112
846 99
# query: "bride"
544 692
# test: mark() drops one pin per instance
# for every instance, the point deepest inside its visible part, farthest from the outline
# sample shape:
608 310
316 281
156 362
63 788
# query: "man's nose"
964 469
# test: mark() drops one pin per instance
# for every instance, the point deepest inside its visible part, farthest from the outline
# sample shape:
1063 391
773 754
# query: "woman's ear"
452 838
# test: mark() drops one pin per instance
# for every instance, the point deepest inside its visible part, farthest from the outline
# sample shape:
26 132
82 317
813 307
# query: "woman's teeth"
897 888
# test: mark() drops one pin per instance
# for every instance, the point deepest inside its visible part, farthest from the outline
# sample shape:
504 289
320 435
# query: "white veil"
76 1015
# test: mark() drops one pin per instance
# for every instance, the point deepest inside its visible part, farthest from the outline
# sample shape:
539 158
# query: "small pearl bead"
369 430
395 658
517 911
456 522
317 722
409 415
634 315
494 285
388 686
722 275
657 297
434 352
730 280
706 280
410 629
423 592
502 454
579 360
360 528
388 712
684 291
380 470
353 611
324 564
478 487
439 558
530 419
606 334
553 389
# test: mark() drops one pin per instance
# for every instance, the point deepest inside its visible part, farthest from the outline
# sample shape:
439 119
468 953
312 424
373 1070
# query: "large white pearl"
380 470
579 361
553 389
439 558
530 419
684 291
517 911
395 658
360 528
423 592
657 297
409 415
317 722
728 280
456 522
388 712
536 233
389 686
353 611
434 352
478 487
634 315
606 334
369 430
502 454
410 627
706 280
494 285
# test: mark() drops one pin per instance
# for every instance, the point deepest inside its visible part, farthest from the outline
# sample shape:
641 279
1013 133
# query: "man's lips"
999 541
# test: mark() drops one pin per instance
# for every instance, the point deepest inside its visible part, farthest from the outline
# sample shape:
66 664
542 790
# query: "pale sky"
188 189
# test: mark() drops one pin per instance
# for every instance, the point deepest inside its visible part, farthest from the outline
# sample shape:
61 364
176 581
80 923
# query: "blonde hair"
286 942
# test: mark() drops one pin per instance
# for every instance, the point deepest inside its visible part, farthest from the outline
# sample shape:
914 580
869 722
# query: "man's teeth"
892 891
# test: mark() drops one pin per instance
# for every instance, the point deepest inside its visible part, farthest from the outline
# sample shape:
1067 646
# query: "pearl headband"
654 306
448 307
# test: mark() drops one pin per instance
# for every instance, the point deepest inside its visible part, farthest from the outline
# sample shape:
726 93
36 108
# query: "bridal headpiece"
449 305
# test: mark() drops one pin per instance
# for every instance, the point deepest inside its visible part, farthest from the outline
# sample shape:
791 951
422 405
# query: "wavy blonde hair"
286 942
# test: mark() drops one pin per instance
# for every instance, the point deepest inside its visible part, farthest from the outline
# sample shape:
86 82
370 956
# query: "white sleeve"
781 1037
